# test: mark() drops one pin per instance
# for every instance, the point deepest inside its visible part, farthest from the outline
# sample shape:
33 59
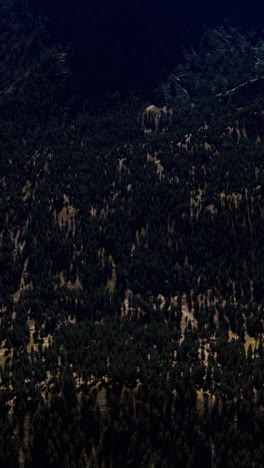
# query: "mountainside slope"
131 261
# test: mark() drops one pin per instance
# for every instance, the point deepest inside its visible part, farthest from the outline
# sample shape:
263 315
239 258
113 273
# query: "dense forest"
131 253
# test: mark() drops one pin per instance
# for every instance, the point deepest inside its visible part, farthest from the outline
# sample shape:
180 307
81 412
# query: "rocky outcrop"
156 118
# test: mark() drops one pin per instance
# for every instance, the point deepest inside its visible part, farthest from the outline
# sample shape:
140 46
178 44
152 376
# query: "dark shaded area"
121 45
131 243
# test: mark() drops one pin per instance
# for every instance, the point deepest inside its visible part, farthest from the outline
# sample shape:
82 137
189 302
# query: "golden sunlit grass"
200 401
249 340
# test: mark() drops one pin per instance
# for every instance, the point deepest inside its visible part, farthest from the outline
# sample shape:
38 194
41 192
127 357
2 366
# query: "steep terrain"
131 260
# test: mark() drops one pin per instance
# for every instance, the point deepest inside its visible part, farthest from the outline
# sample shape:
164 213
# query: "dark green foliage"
131 263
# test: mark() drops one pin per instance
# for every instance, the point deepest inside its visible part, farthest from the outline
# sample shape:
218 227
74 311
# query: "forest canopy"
131 244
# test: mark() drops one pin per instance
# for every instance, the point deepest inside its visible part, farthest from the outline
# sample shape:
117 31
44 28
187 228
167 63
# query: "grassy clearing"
200 401
35 343
250 341
186 315
31 324
2 356
66 217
